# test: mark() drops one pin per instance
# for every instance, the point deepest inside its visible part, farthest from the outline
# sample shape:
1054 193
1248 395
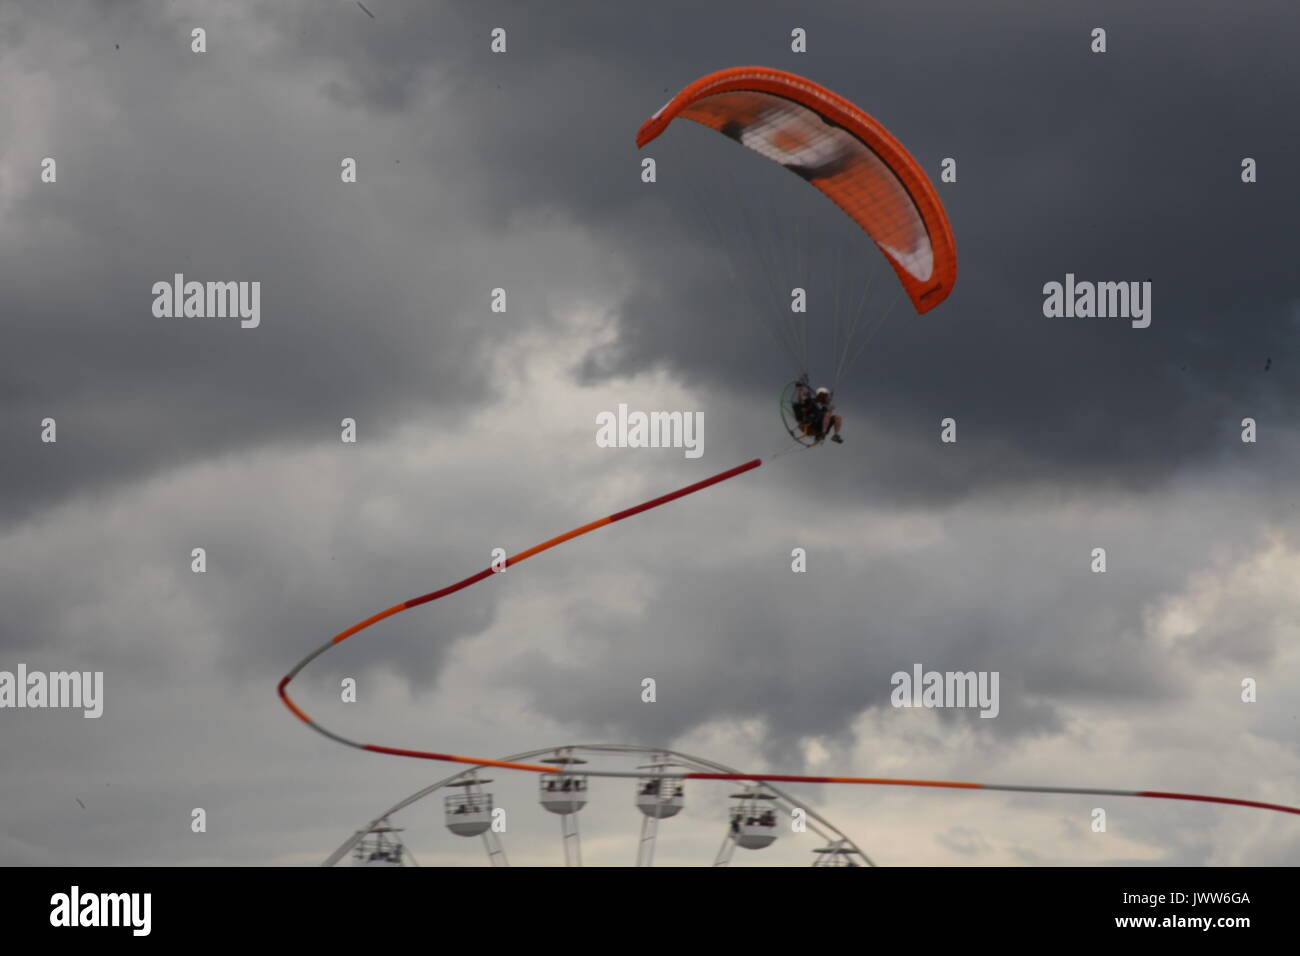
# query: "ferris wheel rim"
836 835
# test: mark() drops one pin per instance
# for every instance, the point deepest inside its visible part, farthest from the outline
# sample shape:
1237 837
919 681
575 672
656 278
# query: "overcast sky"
476 429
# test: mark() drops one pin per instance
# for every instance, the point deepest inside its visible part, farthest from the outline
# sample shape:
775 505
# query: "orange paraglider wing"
839 149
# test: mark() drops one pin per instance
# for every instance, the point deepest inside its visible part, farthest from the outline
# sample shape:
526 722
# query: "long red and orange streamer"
461 585
760 777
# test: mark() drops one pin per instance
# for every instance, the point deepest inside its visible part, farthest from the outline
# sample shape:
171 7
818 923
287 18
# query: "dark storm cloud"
197 176
1122 166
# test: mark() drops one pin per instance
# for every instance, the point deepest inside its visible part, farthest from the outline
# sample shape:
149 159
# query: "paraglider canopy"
840 150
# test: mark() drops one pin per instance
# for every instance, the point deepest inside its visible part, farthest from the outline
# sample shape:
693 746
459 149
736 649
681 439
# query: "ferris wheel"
757 815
